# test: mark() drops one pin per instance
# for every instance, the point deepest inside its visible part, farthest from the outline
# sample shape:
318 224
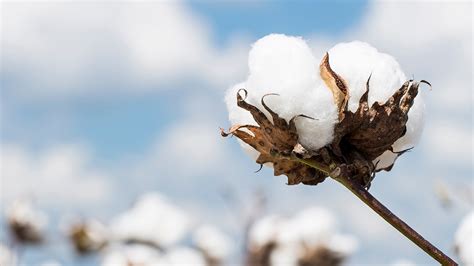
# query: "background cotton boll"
355 62
464 241
152 219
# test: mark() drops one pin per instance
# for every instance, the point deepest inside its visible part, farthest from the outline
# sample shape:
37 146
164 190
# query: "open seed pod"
360 137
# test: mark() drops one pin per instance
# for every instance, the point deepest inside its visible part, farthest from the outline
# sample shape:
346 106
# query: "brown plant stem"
381 210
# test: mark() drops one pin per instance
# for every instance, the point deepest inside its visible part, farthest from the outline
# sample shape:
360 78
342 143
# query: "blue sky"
130 96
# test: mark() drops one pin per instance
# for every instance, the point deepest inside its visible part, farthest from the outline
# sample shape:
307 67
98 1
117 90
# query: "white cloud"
60 175
53 50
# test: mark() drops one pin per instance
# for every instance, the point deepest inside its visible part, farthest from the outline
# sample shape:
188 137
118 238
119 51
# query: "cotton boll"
464 241
152 219
285 65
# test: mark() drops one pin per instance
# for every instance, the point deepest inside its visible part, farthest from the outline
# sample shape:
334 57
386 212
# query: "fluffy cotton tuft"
464 240
285 65
152 219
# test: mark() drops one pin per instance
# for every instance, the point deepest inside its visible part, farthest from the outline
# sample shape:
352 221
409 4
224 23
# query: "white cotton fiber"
285 65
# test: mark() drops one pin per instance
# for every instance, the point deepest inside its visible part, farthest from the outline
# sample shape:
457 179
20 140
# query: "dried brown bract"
274 140
359 137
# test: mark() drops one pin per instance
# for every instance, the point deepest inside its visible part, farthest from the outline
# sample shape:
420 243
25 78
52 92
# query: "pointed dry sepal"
273 139
335 83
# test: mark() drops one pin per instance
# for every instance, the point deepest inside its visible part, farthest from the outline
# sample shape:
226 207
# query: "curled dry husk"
359 137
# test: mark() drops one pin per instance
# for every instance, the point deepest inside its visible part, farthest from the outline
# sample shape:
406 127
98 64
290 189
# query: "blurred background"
102 102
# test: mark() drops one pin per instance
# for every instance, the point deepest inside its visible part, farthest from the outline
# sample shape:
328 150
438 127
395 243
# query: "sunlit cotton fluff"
285 65
464 242
152 219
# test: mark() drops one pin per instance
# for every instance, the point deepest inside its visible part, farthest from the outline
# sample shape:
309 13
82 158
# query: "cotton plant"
464 240
346 116
308 238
